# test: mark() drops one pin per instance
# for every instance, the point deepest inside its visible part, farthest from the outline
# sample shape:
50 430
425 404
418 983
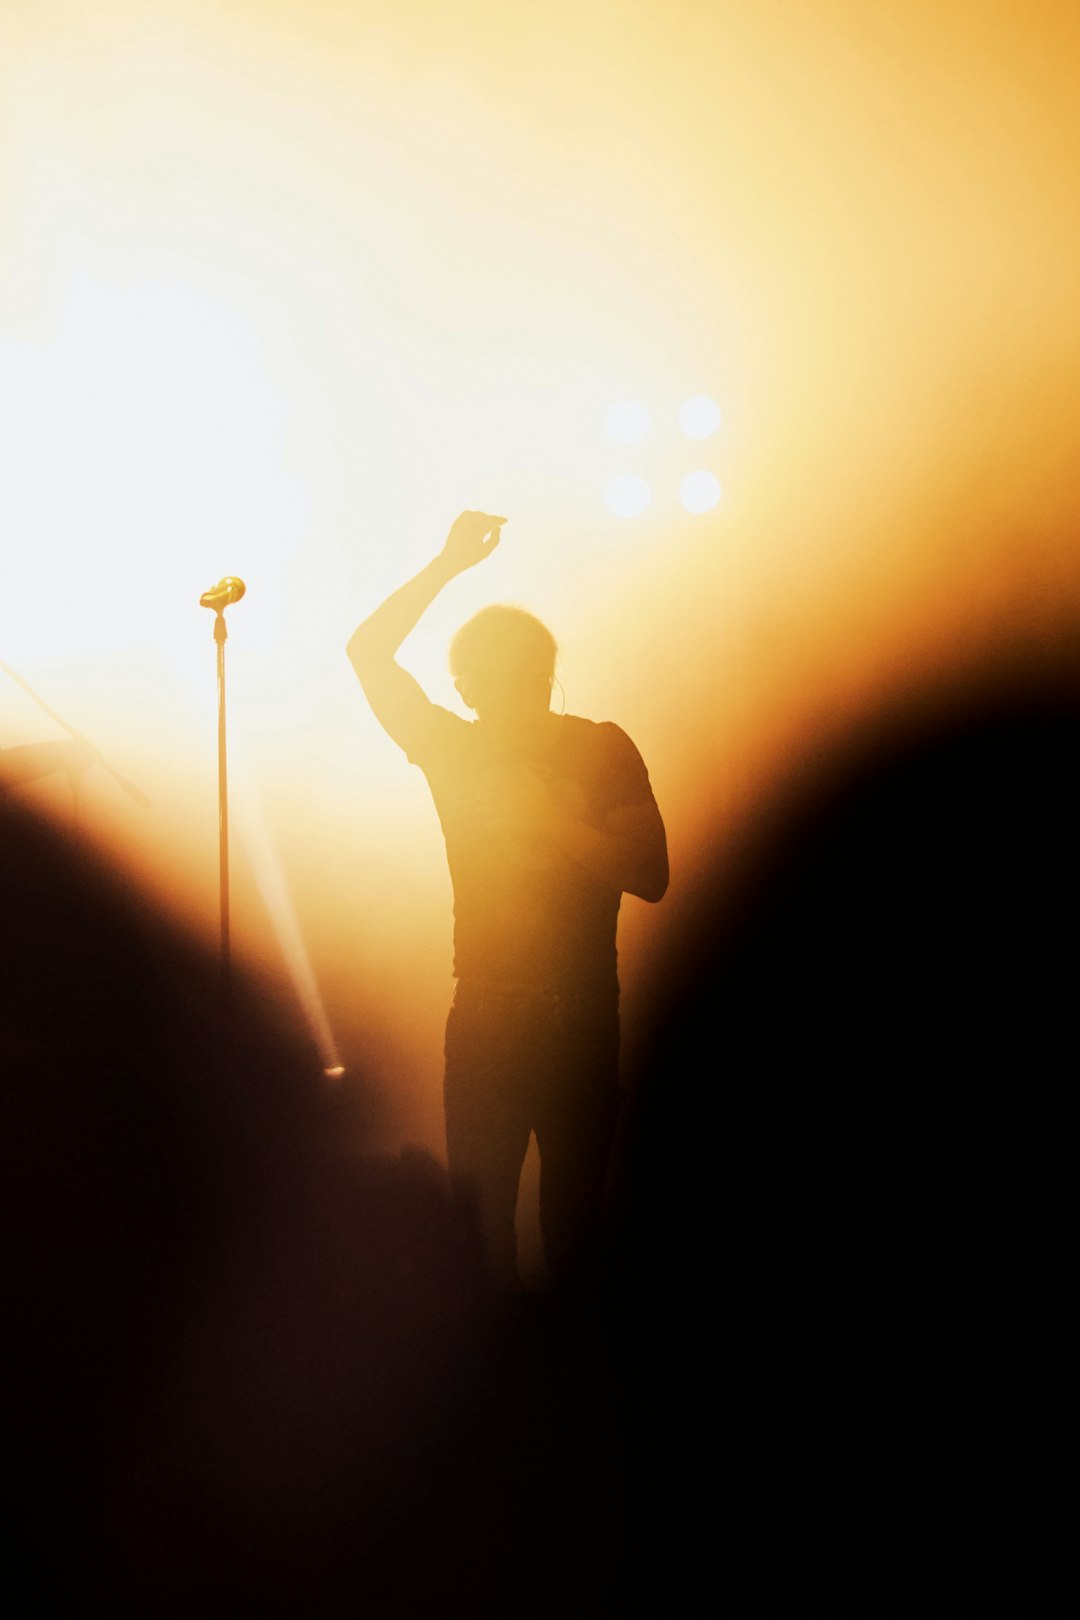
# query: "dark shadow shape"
845 1251
251 1369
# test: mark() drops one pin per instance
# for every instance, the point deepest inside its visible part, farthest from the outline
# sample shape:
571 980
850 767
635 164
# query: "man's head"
503 664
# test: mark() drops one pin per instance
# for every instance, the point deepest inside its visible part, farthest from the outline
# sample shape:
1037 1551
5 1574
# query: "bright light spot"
335 1072
627 422
628 495
699 491
699 417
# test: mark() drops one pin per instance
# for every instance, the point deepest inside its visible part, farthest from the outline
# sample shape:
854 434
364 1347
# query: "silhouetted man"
548 819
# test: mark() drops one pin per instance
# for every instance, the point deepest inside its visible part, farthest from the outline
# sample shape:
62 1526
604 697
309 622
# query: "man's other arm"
628 850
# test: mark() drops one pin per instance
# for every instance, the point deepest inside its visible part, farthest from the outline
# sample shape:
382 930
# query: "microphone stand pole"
225 591
220 635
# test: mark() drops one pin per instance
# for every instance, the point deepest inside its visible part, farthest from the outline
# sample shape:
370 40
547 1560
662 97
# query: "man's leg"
487 1122
575 1122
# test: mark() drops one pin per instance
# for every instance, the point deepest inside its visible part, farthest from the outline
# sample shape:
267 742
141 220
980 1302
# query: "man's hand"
473 536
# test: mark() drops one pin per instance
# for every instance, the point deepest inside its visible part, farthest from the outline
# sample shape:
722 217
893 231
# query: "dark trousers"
532 1062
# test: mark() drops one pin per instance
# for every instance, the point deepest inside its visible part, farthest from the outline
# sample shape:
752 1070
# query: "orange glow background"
285 286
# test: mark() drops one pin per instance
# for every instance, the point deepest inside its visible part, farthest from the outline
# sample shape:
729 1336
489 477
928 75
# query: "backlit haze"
285 287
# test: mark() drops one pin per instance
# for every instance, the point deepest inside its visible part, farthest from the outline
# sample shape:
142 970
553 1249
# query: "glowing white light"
627 422
699 491
628 495
699 417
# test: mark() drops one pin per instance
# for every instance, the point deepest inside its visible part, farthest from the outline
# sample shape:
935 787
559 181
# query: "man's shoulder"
603 751
578 724
598 735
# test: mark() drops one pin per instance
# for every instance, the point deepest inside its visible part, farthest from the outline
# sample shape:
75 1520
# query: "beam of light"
699 417
628 495
270 881
627 421
699 491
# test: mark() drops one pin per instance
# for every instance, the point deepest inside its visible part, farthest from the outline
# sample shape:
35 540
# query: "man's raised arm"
394 695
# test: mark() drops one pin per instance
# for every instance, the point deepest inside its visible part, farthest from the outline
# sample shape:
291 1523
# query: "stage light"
699 417
699 491
628 495
627 422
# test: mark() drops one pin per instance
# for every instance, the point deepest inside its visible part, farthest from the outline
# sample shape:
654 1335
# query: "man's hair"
503 640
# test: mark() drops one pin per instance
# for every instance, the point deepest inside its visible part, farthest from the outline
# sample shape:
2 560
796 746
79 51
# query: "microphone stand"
227 590
220 636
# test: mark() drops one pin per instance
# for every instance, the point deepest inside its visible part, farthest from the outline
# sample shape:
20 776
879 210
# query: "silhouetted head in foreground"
849 1182
246 1373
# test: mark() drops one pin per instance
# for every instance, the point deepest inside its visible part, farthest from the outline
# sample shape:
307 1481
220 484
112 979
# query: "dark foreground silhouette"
253 1373
847 1229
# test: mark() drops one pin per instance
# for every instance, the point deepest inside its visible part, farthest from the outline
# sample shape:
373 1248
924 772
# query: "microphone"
225 591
